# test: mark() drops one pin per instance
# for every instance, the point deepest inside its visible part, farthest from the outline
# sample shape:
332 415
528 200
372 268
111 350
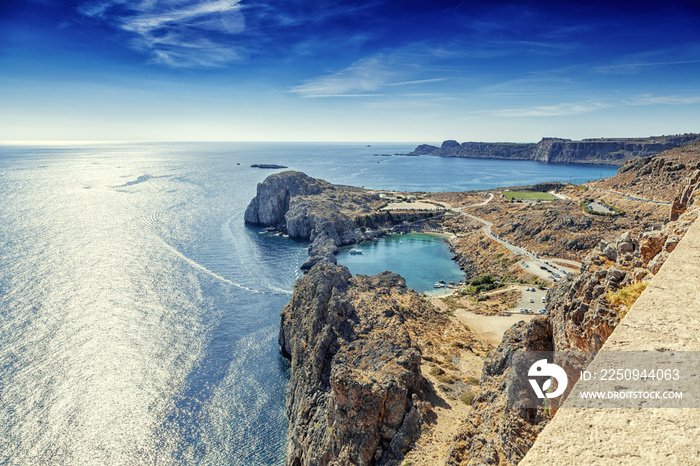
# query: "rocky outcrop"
686 197
555 150
271 203
656 177
355 392
310 209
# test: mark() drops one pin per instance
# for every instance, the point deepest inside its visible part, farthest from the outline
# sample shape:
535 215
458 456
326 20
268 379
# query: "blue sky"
301 70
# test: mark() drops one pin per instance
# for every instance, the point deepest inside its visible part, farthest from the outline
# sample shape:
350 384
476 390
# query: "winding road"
534 264
629 197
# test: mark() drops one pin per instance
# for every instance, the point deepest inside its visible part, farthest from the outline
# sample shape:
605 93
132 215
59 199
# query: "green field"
530 195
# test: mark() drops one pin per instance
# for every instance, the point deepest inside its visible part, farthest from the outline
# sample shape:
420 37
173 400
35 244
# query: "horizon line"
59 142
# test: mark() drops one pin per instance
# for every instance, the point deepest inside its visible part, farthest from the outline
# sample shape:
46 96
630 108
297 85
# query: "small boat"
355 252
439 285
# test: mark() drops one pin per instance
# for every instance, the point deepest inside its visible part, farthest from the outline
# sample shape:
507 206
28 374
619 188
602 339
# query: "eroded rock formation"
311 209
356 390
271 203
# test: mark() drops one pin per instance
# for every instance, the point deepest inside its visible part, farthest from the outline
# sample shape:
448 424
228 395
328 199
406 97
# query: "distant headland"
604 151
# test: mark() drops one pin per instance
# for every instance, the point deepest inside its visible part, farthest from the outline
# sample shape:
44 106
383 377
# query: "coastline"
603 151
622 261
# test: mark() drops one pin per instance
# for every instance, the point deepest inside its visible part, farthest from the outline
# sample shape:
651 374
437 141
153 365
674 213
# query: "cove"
422 259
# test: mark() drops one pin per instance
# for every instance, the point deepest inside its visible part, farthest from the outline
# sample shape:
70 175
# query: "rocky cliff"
479 150
656 177
356 389
555 150
581 313
272 201
311 209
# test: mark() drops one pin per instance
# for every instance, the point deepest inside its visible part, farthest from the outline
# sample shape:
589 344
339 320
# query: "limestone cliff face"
556 150
479 150
311 209
602 151
271 202
354 396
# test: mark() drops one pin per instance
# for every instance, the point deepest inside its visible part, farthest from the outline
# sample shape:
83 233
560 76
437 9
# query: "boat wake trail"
196 265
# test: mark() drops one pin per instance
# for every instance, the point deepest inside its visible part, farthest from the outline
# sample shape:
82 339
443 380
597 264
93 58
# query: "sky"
355 71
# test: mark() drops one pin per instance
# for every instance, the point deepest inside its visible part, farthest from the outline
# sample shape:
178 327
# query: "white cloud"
368 76
648 99
417 81
176 33
633 67
363 76
562 109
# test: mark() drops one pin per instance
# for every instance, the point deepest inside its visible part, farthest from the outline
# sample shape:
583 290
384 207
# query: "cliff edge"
307 208
356 389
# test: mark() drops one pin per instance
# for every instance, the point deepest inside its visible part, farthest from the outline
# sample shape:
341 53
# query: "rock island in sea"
381 374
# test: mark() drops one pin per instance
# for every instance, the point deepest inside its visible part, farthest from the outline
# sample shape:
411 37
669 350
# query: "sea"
139 315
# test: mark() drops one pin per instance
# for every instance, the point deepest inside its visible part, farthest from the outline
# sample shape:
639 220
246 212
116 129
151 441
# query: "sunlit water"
139 315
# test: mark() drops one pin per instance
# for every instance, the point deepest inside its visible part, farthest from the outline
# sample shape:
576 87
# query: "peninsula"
604 151
380 374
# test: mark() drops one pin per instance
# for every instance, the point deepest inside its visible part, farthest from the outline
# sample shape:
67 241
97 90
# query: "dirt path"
483 202
535 263
490 328
431 449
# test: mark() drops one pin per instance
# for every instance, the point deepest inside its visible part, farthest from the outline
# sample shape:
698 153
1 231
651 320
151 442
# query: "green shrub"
627 295
471 380
467 396
447 378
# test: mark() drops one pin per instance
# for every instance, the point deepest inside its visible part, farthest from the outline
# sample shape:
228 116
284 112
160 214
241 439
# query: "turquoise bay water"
140 316
421 259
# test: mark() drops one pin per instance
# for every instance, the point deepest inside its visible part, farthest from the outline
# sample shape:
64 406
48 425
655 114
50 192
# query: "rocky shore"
327 215
606 151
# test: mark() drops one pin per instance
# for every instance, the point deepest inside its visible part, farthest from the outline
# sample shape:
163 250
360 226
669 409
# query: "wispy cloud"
176 33
417 81
563 109
370 75
363 76
195 33
634 67
649 99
